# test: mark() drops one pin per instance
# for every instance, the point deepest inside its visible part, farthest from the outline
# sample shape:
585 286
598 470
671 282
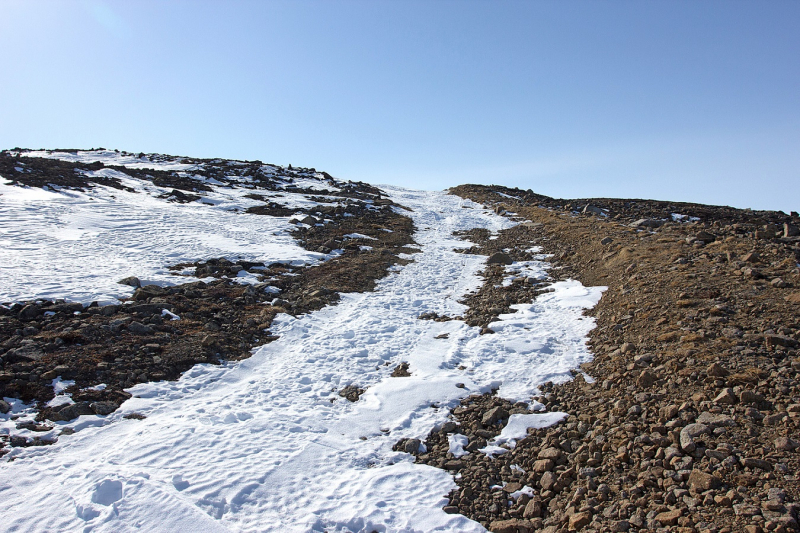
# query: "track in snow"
259 446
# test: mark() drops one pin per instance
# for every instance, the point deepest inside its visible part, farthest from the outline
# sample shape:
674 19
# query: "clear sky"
679 100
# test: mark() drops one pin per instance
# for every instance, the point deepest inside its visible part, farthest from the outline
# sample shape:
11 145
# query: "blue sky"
692 101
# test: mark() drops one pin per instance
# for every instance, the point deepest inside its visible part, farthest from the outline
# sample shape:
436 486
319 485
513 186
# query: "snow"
77 245
358 236
266 443
517 427
526 490
457 443
110 157
533 270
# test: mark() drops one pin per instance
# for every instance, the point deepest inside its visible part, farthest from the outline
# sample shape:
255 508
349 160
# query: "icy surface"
266 444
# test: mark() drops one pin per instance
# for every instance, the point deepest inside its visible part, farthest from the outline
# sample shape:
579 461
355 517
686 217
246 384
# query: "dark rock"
103 408
753 462
499 258
140 329
70 412
29 312
401 371
492 416
351 393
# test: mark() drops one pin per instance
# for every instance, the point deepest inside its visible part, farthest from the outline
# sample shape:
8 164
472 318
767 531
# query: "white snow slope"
265 445
61 243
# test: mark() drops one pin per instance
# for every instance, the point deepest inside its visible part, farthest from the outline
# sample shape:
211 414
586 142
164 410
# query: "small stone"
669 518
514 525
606 240
700 481
785 444
579 520
131 281
493 415
499 258
726 397
753 462
5 407
716 371
533 509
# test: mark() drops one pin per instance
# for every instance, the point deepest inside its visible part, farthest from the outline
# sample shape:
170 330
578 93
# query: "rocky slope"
690 422
686 420
104 349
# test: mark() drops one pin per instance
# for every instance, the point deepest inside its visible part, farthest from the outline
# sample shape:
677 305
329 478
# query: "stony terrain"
138 341
691 420
686 420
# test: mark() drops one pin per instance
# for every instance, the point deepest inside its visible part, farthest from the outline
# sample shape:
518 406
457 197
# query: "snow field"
77 245
267 445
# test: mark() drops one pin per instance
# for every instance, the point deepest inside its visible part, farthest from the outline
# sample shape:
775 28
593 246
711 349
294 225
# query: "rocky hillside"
688 419
117 345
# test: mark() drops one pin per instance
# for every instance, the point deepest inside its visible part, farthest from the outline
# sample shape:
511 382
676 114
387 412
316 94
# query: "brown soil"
696 334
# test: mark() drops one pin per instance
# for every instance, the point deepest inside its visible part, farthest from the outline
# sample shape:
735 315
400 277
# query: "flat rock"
514 525
669 518
701 481
717 420
579 520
